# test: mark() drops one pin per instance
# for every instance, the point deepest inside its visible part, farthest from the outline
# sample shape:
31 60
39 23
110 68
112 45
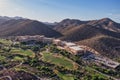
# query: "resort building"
102 60
76 50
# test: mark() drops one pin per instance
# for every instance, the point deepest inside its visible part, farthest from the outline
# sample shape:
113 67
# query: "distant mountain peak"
106 19
5 17
70 20
9 18
73 22
17 17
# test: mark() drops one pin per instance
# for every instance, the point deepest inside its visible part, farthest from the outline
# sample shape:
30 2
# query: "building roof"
70 44
57 40
77 48
107 61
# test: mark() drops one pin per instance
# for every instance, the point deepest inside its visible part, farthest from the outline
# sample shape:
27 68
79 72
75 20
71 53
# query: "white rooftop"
76 48
57 40
70 44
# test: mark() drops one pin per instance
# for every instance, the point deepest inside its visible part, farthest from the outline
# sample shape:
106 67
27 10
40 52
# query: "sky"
57 10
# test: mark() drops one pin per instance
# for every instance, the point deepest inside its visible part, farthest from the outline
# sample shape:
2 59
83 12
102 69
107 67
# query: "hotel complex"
72 48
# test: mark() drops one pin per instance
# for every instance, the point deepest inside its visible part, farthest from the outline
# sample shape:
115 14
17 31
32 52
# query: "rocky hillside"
85 32
104 23
14 27
102 35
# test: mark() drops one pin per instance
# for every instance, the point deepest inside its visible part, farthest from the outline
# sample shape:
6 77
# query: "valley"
70 49
59 39
38 58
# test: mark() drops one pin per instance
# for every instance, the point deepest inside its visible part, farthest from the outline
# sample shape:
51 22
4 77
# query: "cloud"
114 14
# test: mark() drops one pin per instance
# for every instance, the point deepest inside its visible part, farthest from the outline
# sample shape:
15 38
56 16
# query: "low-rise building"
29 38
75 50
58 42
106 61
69 44
35 38
102 60
47 40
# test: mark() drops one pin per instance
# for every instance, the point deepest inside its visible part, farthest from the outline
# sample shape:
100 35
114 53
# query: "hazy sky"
56 10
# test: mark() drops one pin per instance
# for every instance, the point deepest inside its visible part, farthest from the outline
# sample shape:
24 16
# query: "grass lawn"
23 52
65 76
58 60
17 58
94 73
5 42
2 58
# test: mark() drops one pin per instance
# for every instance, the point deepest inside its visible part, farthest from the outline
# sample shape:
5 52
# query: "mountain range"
20 26
102 35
